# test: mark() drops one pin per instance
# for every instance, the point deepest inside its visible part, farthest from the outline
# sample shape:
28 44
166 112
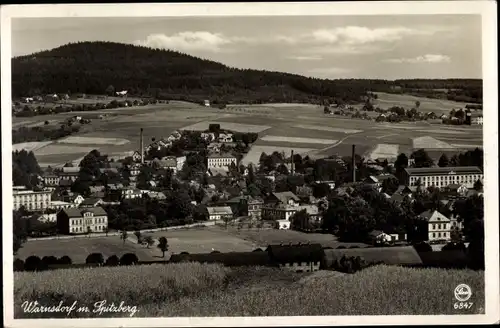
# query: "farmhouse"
82 220
225 137
216 213
438 227
299 257
247 205
456 190
91 202
131 193
377 237
283 224
31 200
215 161
443 176
58 205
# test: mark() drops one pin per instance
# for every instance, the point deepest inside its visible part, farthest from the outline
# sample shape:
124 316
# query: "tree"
443 161
95 258
129 259
301 220
65 260
422 159
124 236
18 265
400 164
110 90
417 104
149 241
321 190
32 263
163 245
113 260
137 234
390 185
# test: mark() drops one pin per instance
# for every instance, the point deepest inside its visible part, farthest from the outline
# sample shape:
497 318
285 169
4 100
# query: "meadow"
281 127
191 289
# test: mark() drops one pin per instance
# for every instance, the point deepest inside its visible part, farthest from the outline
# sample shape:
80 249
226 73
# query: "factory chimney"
353 161
291 165
142 147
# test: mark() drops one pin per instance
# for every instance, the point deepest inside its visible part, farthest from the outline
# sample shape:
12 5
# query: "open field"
274 236
326 128
30 146
298 140
254 154
387 100
212 290
429 142
303 125
385 151
79 248
203 241
202 126
94 140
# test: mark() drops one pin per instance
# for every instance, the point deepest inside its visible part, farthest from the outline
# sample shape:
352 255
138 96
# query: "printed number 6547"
462 305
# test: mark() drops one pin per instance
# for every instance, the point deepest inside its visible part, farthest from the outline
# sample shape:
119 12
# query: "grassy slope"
211 290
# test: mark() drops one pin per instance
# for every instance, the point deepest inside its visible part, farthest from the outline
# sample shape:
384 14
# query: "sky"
380 47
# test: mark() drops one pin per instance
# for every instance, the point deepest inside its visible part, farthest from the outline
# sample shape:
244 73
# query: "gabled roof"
91 201
433 216
284 197
78 212
219 210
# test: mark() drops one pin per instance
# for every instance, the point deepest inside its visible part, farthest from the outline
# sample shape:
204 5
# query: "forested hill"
92 67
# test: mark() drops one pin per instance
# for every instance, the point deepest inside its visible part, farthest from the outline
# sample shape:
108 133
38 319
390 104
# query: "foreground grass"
212 290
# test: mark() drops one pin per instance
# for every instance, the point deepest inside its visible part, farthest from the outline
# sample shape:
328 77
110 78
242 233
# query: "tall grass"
188 289
134 285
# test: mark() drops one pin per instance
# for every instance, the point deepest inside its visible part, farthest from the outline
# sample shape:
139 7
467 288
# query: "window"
433 235
433 227
439 234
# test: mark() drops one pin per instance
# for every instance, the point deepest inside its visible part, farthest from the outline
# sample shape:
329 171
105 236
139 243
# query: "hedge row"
34 263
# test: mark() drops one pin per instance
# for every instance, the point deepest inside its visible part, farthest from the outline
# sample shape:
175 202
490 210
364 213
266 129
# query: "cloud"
307 58
363 35
429 58
186 41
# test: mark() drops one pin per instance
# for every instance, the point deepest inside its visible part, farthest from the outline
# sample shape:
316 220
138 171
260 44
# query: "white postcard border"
487 9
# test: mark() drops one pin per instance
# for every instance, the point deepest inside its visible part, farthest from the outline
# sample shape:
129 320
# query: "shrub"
18 265
454 247
65 260
32 263
129 259
49 260
422 247
95 258
113 260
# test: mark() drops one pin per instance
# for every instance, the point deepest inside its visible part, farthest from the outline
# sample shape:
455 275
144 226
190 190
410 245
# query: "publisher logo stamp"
463 293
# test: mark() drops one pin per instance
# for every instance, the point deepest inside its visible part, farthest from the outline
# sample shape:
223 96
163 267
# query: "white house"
225 137
216 161
136 157
208 136
217 213
439 226
207 103
283 224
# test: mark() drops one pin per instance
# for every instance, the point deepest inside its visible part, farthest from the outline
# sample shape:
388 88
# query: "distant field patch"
467 146
385 151
94 141
326 128
30 146
56 149
441 131
202 126
253 155
430 142
298 140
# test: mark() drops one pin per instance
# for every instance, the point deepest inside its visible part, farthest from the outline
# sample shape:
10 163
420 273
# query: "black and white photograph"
250 164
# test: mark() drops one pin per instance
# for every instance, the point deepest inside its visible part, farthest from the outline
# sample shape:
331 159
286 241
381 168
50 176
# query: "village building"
216 161
456 190
208 136
378 237
298 257
217 213
225 137
131 193
442 176
31 200
438 227
58 205
51 180
82 220
91 202
250 206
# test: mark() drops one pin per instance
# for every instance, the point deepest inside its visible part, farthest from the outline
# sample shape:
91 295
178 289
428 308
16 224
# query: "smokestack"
142 148
353 160
291 166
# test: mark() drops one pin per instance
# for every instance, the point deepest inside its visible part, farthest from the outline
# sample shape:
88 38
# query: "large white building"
443 176
439 226
82 220
216 161
31 200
